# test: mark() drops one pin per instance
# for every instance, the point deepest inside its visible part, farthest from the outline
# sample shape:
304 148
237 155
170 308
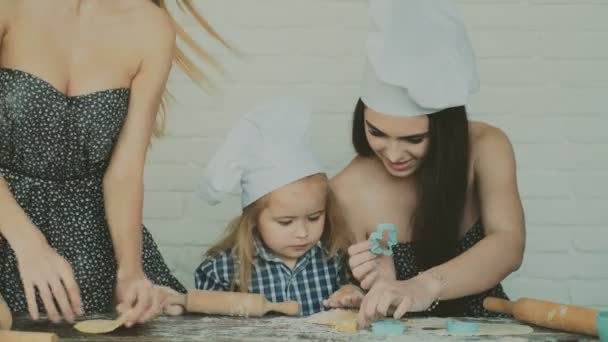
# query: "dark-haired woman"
448 184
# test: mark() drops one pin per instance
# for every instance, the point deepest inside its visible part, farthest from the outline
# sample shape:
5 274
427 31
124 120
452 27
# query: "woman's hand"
398 297
138 299
42 268
363 264
367 267
348 296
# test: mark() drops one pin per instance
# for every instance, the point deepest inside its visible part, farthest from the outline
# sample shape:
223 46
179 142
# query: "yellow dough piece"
98 326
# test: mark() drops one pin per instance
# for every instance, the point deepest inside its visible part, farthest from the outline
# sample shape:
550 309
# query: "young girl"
289 241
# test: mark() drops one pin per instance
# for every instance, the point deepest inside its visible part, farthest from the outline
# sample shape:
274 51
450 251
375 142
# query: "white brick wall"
544 69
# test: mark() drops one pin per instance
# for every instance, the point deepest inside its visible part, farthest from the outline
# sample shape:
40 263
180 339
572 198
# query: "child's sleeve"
215 273
345 276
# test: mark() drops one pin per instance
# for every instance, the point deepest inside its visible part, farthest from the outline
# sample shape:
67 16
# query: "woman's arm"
366 267
483 265
123 181
501 251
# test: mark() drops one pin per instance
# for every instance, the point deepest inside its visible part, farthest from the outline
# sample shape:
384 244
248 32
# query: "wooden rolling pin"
6 321
232 304
547 314
26 336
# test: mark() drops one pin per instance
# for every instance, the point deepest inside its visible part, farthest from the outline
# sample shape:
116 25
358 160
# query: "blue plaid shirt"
314 278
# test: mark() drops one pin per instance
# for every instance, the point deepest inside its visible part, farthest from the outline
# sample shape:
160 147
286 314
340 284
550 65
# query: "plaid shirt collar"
266 254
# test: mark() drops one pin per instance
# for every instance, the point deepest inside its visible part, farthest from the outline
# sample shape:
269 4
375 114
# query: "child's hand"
348 296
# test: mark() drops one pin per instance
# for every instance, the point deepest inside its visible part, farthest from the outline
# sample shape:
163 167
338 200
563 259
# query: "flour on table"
438 326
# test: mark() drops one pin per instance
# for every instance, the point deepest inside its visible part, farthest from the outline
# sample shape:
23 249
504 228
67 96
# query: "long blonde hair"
241 231
181 58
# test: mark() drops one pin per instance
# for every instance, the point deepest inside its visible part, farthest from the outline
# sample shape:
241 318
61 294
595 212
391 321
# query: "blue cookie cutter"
602 326
388 328
462 327
378 235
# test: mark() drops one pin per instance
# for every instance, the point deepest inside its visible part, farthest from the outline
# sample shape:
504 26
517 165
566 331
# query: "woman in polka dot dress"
80 87
448 184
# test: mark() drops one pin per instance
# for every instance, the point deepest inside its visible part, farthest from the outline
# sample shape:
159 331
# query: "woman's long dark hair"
441 183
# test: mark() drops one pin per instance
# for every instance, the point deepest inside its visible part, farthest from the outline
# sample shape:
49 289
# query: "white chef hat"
419 58
269 147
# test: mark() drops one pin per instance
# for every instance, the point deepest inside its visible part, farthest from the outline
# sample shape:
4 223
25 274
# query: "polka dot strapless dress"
471 306
54 150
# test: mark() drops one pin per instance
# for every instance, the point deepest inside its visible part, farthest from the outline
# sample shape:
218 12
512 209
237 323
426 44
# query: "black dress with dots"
54 151
471 306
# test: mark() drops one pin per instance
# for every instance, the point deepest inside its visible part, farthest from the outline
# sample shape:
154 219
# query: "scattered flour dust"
284 328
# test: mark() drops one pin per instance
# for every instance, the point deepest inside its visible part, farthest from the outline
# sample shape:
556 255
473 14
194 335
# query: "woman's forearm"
482 266
123 197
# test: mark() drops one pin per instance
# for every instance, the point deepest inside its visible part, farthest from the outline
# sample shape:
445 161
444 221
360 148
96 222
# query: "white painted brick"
535 71
182 150
163 205
191 122
282 13
194 97
186 231
544 289
547 211
591 266
512 71
199 210
323 97
538 100
183 260
524 129
183 178
524 17
289 41
534 184
583 45
299 70
561 156
588 129
555 239
589 293
547 266
505 43
591 184
593 239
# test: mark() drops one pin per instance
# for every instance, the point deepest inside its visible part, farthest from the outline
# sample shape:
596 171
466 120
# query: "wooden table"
279 328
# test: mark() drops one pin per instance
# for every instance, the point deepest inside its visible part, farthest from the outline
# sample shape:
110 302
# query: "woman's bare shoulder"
347 181
153 23
489 143
7 8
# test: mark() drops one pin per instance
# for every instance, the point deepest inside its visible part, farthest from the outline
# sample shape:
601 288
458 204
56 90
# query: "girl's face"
399 142
293 220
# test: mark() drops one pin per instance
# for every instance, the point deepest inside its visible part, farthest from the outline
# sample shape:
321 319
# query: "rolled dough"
333 317
98 326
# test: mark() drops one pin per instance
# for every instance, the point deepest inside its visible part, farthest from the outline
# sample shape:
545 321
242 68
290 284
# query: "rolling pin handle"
498 305
291 308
